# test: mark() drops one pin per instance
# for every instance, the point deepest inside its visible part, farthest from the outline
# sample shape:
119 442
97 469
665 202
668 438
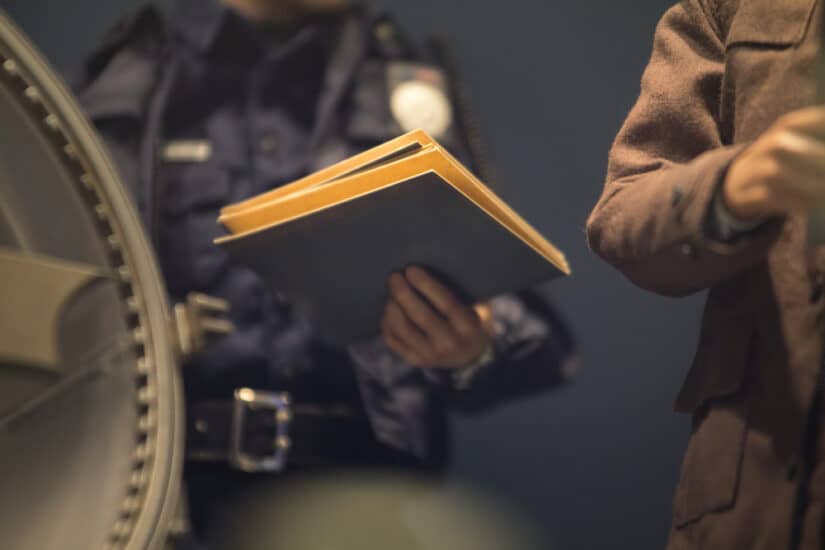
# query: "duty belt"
260 431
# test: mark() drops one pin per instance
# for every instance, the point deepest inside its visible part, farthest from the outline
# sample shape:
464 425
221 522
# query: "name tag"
187 150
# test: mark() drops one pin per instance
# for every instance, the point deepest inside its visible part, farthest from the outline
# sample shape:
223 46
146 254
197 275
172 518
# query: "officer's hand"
782 172
443 333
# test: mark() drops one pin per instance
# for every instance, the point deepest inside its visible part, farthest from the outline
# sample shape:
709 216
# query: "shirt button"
268 144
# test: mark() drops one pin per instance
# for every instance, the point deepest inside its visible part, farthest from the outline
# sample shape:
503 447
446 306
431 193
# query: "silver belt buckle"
279 404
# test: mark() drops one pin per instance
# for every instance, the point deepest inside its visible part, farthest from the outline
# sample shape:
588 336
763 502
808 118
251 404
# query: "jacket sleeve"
534 351
666 165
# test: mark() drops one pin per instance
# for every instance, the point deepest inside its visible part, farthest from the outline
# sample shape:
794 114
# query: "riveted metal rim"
150 495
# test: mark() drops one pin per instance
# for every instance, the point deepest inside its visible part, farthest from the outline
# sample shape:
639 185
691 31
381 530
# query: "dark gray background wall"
596 463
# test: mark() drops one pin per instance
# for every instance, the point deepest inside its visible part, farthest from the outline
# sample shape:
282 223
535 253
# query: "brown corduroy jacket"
721 73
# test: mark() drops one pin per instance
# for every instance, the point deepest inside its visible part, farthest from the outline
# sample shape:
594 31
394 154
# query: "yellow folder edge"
331 172
268 214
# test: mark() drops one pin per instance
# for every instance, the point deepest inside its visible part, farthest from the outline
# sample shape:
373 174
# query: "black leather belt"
262 431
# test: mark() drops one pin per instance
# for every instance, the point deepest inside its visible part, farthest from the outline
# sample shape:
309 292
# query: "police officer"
224 100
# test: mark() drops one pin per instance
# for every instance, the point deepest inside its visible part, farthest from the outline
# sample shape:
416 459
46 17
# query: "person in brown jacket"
710 185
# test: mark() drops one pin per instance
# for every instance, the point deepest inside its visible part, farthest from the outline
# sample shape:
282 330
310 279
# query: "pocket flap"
189 186
721 361
712 464
369 119
770 23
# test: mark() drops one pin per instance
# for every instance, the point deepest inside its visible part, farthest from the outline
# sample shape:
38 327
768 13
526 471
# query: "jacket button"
268 144
687 249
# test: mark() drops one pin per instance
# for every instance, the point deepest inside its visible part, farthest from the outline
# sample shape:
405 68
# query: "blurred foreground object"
90 404
370 511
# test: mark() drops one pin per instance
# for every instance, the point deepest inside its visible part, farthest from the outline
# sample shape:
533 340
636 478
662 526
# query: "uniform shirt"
248 95
262 108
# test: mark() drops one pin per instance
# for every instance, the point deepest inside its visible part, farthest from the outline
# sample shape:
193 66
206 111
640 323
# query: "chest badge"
187 150
418 99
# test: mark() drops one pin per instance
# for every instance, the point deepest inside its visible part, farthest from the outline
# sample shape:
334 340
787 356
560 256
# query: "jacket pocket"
710 472
714 393
769 23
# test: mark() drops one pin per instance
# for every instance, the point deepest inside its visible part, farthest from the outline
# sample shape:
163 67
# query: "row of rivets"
124 527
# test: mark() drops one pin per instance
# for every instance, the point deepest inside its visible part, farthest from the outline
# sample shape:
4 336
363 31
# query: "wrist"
464 376
744 196
732 202
724 225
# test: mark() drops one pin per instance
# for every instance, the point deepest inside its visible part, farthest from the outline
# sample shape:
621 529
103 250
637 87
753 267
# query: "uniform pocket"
191 196
369 121
193 186
770 23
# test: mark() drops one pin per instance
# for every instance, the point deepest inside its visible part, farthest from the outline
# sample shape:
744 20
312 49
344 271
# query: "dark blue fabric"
252 94
276 105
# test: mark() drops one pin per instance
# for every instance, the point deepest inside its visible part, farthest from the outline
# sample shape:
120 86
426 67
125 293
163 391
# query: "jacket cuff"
723 225
463 378
708 222
678 255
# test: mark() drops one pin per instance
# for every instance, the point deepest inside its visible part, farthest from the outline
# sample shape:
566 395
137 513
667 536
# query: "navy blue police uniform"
201 109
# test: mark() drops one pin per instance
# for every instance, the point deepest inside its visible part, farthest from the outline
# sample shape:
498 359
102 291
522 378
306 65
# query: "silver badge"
418 99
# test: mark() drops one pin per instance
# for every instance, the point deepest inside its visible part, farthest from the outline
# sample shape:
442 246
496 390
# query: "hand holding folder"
426 324
330 241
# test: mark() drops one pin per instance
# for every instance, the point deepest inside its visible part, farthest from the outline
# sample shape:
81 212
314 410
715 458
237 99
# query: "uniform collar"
200 21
